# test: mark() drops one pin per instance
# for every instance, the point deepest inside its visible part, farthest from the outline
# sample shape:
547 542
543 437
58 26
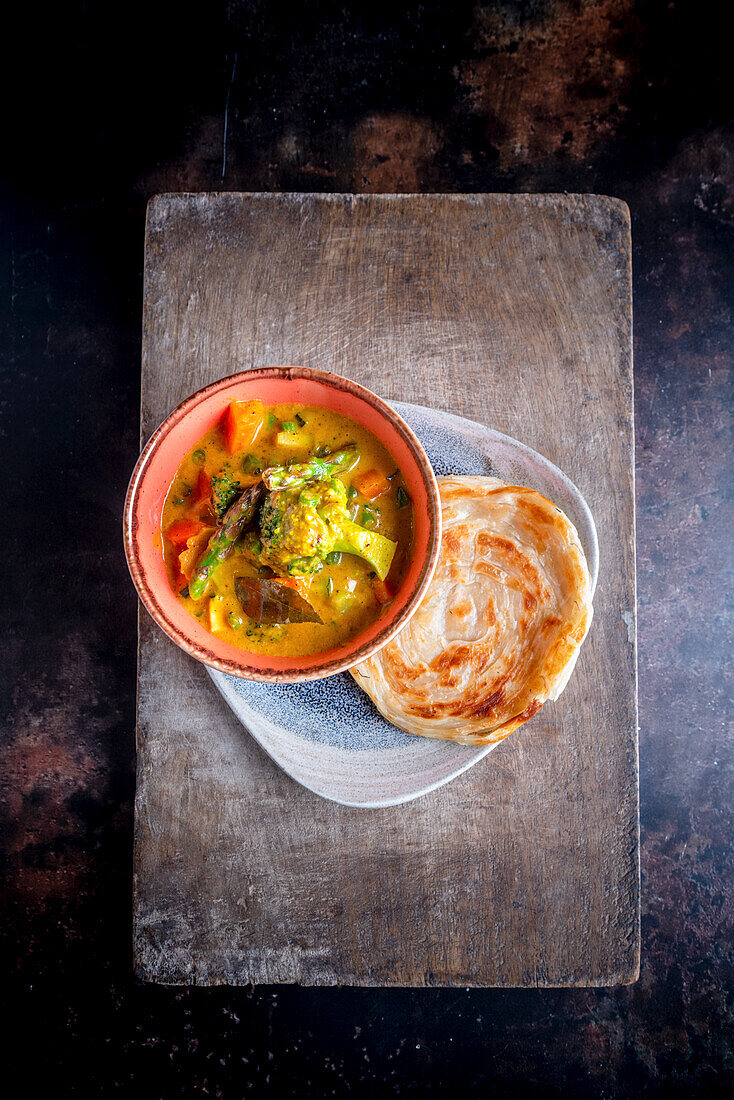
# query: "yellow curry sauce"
344 589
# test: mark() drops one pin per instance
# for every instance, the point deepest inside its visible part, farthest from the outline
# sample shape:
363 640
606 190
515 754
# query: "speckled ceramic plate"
326 734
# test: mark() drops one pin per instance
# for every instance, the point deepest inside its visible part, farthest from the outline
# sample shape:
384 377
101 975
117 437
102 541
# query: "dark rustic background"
106 105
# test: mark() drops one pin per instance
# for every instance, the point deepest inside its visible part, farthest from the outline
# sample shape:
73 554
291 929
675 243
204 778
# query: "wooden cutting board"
514 310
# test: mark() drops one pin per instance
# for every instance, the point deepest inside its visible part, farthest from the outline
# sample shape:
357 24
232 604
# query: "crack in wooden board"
514 310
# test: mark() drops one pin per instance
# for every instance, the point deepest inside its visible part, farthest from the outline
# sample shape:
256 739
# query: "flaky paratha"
500 628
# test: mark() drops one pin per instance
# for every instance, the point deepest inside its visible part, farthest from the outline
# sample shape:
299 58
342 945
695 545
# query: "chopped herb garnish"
322 451
373 575
329 586
184 592
199 457
289 426
369 519
272 420
251 464
403 497
333 558
235 621
351 492
392 475
300 420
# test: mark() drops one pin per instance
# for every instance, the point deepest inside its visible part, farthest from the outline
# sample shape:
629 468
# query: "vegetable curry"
287 529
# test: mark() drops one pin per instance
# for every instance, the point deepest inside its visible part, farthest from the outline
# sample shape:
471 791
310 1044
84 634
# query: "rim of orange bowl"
241 669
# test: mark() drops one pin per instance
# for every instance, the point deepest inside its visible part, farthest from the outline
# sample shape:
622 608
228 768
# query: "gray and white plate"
326 734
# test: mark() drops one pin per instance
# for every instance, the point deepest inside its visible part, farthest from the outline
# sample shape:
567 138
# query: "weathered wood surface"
514 310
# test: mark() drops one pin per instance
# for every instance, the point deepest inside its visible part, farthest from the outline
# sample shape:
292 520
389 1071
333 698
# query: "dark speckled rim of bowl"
241 668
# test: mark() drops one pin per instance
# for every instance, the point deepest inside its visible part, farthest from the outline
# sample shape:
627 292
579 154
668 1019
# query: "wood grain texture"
514 310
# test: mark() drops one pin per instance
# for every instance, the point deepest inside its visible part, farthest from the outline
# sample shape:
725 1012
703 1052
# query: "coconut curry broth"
345 591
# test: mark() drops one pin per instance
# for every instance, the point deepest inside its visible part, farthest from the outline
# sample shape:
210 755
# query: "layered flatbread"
500 628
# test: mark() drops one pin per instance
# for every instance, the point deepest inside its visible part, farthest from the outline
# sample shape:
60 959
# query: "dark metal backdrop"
106 106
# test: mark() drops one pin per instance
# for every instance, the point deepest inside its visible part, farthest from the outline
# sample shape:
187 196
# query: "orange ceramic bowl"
176 436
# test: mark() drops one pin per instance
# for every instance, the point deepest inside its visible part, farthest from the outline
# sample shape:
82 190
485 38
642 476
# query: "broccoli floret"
225 490
299 528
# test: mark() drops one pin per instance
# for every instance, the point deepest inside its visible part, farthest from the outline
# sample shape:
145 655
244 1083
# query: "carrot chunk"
372 484
201 500
179 580
181 530
203 487
301 585
384 592
242 423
